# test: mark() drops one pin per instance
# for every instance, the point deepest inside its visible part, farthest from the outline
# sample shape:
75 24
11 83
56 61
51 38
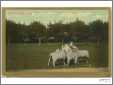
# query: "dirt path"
76 72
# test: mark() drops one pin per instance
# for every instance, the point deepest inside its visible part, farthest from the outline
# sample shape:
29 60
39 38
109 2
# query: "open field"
22 56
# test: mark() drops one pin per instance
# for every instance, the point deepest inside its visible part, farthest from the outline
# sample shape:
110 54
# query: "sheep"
70 54
58 54
83 53
67 52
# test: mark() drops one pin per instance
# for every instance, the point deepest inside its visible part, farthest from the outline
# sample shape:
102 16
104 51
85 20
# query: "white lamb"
83 53
58 54
70 53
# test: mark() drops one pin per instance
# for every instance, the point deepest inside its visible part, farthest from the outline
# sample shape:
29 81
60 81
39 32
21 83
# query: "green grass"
33 56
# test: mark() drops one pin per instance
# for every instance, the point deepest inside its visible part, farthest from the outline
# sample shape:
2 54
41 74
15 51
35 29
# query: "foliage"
78 31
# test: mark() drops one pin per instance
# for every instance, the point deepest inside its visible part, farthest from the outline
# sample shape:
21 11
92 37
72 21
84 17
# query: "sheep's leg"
49 61
76 60
87 61
53 63
65 61
68 61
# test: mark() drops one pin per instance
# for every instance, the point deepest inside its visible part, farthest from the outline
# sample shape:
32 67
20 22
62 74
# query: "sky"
24 16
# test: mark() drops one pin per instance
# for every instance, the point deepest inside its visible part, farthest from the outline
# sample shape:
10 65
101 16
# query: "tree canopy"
78 30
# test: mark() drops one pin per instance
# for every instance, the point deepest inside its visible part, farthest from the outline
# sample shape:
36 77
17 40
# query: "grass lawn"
33 56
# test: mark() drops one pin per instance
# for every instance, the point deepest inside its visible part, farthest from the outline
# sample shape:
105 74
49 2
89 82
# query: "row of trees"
36 31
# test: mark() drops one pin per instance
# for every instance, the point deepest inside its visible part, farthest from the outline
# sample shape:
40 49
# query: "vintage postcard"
56 42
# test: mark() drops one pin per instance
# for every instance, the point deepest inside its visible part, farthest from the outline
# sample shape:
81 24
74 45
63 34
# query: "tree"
79 29
12 31
37 30
56 30
99 30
